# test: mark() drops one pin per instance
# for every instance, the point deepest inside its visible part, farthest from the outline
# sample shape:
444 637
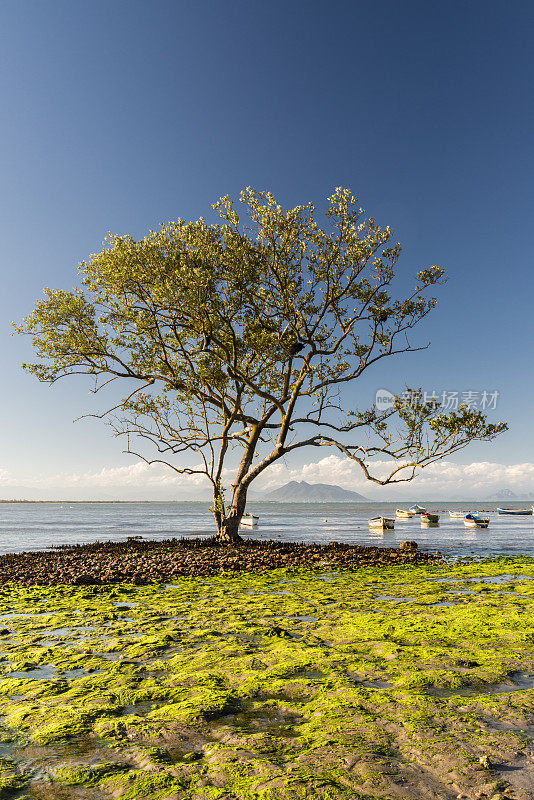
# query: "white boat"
405 513
518 512
416 509
457 514
250 520
382 523
471 521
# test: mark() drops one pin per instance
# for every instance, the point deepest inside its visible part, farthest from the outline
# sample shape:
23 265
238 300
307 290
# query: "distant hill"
302 492
504 494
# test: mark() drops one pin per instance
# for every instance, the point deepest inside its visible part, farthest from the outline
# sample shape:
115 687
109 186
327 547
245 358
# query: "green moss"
11 779
267 686
86 776
138 785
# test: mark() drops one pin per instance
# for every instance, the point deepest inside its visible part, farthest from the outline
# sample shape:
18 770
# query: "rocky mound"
140 562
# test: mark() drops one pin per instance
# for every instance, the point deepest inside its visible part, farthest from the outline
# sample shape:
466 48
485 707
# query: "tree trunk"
229 531
228 525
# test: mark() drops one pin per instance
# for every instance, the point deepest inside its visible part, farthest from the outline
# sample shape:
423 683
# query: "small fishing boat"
428 517
250 520
382 523
404 513
417 509
518 512
472 521
457 514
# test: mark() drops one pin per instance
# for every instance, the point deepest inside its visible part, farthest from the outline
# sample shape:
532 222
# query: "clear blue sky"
120 115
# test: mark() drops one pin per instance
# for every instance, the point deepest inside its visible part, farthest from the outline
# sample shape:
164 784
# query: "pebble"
143 561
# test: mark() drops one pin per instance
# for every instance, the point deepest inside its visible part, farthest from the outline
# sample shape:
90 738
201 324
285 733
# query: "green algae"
281 685
11 780
86 776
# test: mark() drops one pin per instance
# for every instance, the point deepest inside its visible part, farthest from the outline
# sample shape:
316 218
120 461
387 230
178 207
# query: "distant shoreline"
462 501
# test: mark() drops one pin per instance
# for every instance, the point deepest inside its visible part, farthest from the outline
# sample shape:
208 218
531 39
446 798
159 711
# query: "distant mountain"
504 494
302 492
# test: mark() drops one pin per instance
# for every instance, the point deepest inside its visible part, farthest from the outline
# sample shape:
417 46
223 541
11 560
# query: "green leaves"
256 321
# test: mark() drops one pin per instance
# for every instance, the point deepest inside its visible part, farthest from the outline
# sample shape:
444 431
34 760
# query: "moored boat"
428 517
518 512
250 520
472 521
416 509
457 514
404 513
382 523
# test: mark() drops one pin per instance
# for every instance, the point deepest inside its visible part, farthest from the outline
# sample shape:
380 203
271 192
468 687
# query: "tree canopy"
241 336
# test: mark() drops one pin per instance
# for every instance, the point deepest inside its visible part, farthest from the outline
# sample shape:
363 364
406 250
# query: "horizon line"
517 499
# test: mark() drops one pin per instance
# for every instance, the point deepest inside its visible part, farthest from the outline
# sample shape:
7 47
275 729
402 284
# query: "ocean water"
40 526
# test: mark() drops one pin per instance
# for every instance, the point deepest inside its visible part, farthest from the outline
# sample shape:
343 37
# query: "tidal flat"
407 681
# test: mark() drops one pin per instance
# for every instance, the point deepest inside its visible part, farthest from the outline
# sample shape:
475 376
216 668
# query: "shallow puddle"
140 709
72 674
46 672
266 719
369 683
39 762
58 632
313 675
501 578
109 656
396 599
376 684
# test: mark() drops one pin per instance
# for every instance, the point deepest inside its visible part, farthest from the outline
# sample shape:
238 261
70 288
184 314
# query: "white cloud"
137 480
442 479
138 474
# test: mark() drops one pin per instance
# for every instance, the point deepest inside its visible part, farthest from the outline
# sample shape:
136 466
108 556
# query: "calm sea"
39 526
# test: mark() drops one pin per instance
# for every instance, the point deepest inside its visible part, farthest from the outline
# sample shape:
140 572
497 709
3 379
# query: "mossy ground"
375 683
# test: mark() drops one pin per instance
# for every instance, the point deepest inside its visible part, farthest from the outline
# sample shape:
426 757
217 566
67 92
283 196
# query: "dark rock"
276 631
82 580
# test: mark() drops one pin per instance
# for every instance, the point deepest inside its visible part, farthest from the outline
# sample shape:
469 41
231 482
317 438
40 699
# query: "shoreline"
143 561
